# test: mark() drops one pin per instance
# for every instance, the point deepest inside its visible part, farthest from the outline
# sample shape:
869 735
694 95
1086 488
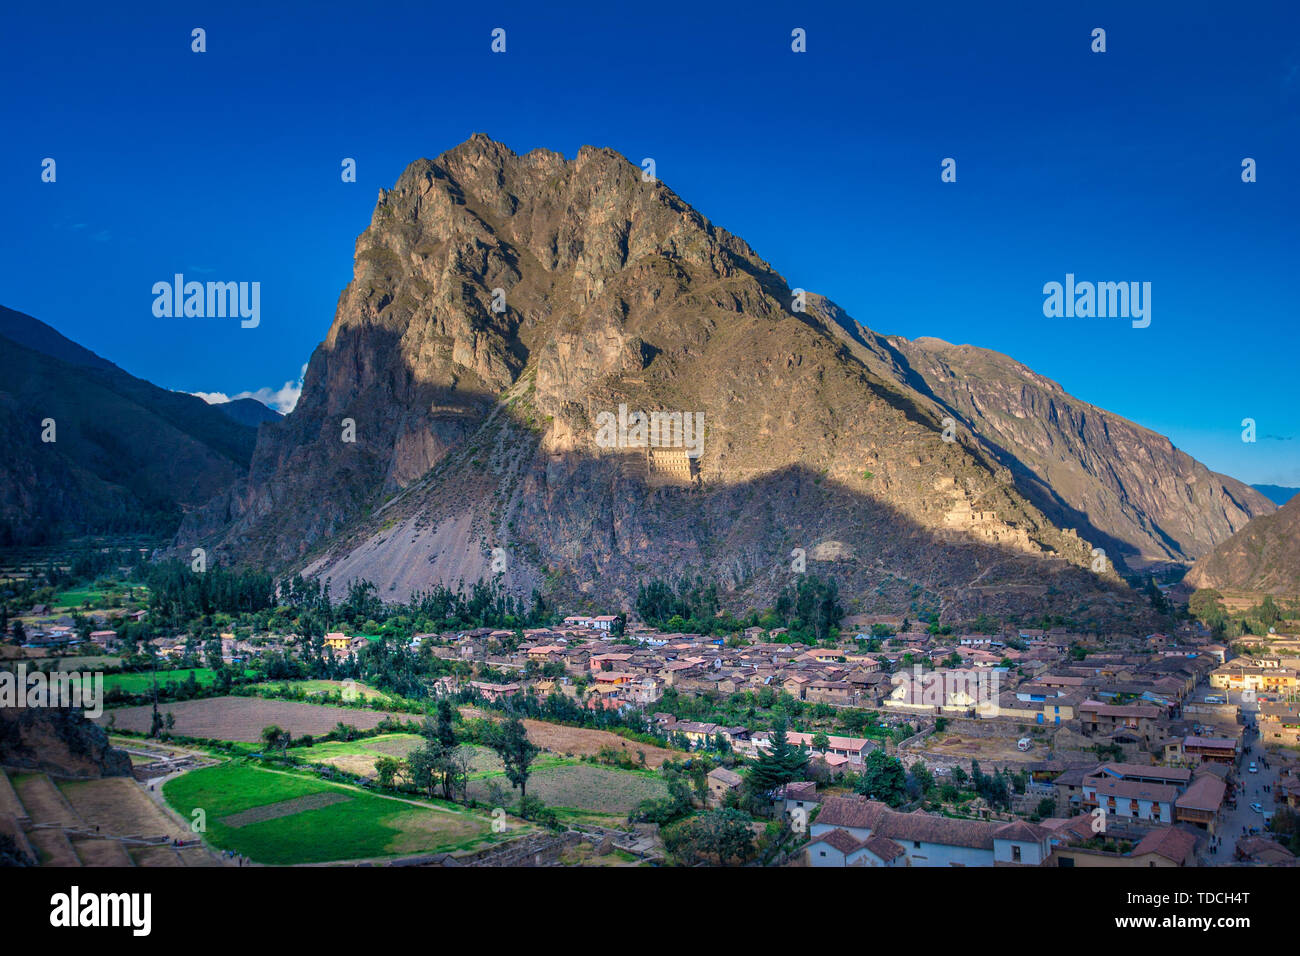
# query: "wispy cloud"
282 399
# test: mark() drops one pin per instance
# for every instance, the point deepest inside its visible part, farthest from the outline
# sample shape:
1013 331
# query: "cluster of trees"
1206 605
809 609
691 608
439 762
686 782
179 594
996 788
720 837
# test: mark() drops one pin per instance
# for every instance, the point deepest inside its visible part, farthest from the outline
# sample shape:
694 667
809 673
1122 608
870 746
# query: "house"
1209 750
105 639
699 735
851 750
1279 723
844 831
722 782
1098 718
1199 804
600 622
1130 800
839 693
1262 851
801 795
840 848
337 641
494 692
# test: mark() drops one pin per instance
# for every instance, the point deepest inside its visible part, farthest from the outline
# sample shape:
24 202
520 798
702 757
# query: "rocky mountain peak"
501 304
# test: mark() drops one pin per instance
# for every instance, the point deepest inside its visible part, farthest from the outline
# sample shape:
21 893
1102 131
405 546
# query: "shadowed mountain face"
475 417
1263 556
126 455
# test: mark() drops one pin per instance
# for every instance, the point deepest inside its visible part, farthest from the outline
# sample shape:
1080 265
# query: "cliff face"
1263 556
58 741
476 427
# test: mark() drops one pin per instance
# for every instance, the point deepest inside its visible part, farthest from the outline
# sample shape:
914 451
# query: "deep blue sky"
1116 166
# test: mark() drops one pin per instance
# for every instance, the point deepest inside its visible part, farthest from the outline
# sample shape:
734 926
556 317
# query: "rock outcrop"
58 741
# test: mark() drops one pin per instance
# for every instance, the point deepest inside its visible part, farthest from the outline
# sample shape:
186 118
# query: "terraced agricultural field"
279 818
244 718
326 688
583 742
579 791
118 806
359 756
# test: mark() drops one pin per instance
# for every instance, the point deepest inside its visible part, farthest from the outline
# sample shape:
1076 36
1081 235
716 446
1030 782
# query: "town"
888 741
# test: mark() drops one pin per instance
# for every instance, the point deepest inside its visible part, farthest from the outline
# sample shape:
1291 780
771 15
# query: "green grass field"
141 682
76 597
358 826
576 790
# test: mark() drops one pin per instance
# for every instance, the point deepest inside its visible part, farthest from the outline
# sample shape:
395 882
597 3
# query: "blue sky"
1119 166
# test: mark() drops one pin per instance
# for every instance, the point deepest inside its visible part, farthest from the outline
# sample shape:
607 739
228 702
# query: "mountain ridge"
126 455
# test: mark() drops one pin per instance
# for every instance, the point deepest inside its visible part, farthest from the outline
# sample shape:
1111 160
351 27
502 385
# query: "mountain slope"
476 429
127 455
1263 556
248 411
1123 486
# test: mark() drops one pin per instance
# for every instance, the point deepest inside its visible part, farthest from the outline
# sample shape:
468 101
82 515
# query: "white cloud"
282 399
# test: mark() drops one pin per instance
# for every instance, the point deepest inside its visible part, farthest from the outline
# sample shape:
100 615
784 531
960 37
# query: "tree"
920 780
883 778
423 767
443 729
778 765
719 836
511 743
820 742
273 736
460 762
386 770
212 653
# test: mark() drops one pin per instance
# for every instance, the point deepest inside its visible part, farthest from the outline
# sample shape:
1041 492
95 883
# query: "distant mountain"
1263 556
1278 494
476 423
127 455
1125 488
248 411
